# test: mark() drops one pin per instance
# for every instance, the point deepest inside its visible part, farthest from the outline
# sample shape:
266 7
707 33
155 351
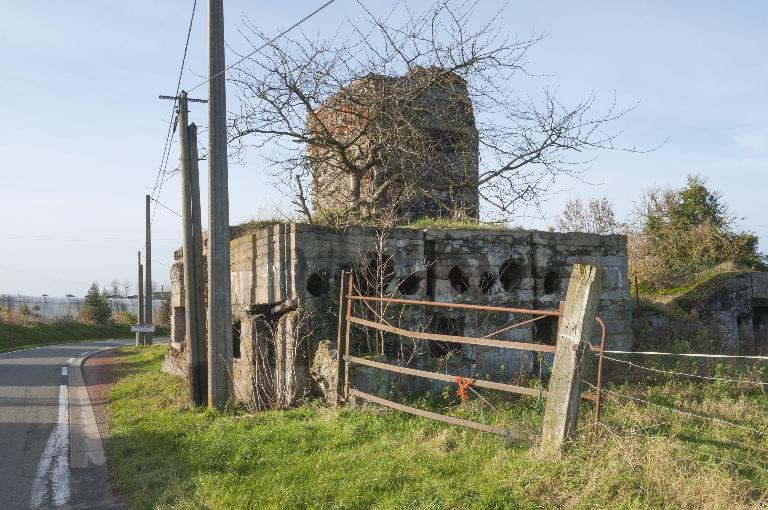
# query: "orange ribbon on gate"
464 384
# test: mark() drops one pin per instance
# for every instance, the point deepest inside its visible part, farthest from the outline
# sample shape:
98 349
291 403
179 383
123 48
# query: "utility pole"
149 301
197 373
140 291
197 235
219 296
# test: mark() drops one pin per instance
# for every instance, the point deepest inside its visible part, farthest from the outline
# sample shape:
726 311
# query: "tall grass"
166 455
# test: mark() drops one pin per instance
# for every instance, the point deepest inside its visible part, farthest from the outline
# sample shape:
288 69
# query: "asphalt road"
35 469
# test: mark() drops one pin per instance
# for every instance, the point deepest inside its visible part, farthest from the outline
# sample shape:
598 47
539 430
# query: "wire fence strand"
673 372
680 411
689 355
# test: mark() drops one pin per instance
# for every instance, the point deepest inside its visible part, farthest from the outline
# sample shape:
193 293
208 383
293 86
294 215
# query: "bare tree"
126 287
334 116
114 288
594 217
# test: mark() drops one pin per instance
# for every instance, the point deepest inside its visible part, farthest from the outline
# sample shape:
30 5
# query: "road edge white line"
54 461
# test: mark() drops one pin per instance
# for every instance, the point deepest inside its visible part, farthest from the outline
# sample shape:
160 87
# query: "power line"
278 36
157 202
161 263
186 46
78 239
158 187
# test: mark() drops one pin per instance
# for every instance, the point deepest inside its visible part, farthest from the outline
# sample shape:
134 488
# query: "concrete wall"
738 309
289 268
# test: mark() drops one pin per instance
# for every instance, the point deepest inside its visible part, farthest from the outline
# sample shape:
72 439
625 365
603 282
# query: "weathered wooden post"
344 278
577 325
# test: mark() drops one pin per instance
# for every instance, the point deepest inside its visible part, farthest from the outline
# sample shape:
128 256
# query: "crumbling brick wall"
420 125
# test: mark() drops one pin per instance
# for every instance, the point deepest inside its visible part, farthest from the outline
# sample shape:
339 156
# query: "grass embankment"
35 334
165 455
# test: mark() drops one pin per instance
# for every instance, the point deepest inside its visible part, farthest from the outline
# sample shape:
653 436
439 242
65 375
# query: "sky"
82 129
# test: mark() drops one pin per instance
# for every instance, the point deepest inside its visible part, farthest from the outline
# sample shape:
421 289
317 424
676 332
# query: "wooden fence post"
577 326
343 325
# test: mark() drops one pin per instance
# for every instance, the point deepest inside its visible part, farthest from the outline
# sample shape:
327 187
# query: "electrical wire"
161 263
158 187
275 38
166 207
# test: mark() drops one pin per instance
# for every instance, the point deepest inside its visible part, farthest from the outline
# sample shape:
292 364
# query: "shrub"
679 234
96 308
163 318
125 318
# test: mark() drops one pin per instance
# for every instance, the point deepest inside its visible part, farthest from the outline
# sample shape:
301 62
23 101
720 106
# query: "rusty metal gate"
346 319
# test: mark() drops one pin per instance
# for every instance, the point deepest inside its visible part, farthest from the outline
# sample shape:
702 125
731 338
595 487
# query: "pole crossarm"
189 99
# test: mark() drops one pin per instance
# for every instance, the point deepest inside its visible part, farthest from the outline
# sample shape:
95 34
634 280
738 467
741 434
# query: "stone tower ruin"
411 148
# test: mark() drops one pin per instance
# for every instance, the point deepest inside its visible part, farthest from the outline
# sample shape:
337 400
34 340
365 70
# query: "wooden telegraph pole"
149 301
197 374
219 296
140 291
577 327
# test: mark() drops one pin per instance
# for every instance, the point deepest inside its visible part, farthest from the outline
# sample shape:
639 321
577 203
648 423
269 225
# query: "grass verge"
168 456
38 334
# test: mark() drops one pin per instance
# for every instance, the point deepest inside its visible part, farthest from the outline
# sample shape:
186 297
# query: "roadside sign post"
143 328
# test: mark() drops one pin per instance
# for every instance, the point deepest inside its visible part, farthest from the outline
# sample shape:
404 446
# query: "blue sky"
82 128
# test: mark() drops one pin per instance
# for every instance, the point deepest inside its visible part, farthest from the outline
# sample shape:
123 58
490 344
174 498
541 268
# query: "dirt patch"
99 376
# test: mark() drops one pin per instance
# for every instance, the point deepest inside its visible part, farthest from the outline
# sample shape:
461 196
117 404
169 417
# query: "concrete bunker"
285 291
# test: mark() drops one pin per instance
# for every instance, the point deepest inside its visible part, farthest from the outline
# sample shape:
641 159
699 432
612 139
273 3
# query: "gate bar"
525 346
534 392
465 306
428 414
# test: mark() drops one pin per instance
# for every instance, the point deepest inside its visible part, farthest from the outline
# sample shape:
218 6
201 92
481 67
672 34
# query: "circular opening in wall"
487 281
551 283
510 275
317 285
409 285
458 281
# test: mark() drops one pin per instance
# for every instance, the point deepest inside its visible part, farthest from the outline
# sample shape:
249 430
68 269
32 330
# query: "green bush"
681 234
125 318
96 308
163 318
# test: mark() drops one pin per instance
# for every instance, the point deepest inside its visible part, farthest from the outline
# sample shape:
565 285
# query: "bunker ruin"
413 146
285 291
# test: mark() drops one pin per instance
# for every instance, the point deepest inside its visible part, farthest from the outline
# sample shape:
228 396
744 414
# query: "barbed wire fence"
677 415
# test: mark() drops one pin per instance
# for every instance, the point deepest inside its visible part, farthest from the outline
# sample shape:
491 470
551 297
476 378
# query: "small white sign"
143 328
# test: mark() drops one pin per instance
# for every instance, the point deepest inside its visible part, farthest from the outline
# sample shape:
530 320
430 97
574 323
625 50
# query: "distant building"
64 307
